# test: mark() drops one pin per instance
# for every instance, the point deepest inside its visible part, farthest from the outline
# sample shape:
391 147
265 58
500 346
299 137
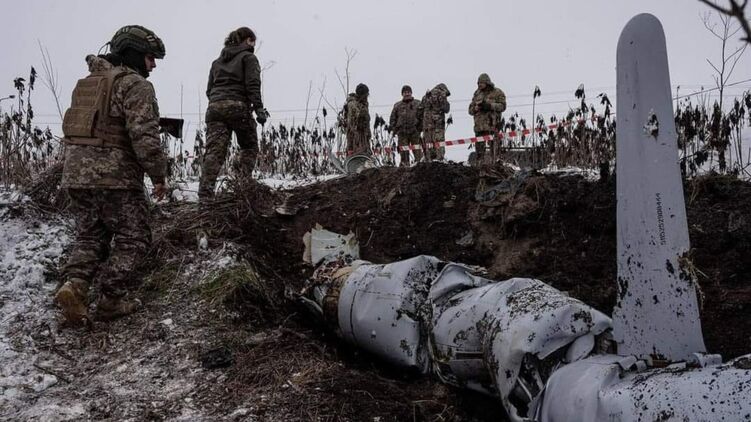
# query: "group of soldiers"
421 124
112 139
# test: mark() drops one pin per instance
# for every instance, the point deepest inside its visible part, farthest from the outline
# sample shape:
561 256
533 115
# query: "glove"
485 106
261 116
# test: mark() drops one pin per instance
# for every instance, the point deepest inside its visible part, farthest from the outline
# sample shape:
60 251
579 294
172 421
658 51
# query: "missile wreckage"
544 355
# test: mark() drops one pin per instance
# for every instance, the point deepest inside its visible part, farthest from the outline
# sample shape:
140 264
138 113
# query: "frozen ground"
145 367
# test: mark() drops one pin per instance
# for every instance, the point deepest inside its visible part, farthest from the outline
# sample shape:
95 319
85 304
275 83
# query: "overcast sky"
554 44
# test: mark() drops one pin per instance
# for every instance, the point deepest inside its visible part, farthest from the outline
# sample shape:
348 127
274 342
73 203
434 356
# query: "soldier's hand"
485 106
160 191
261 116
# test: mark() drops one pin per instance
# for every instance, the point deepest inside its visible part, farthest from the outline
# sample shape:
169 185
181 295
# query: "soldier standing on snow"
403 123
487 104
111 139
431 116
358 121
234 92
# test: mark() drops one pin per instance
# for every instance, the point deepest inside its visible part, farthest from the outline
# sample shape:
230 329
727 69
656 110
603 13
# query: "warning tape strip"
463 141
472 140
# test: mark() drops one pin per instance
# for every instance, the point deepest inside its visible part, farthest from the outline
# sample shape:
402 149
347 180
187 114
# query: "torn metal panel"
498 338
600 389
322 245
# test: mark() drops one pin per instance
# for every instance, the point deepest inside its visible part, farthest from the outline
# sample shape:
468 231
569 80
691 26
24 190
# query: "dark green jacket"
236 75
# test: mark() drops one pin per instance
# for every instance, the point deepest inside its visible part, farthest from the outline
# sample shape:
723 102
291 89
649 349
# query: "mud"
559 228
283 365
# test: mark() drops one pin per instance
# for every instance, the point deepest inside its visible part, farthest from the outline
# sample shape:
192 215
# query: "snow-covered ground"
29 249
144 367
187 190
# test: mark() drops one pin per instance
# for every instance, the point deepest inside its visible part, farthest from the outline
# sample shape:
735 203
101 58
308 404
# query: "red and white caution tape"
472 140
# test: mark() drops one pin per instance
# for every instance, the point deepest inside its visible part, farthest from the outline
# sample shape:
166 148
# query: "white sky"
554 44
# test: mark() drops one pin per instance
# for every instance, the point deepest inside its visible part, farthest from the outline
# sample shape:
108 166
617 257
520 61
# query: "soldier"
234 92
431 115
111 138
358 121
487 104
403 123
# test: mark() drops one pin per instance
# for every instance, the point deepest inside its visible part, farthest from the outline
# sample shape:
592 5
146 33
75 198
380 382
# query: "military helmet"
138 38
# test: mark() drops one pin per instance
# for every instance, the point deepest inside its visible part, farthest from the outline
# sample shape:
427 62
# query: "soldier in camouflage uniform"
234 92
111 139
403 123
487 104
358 122
432 117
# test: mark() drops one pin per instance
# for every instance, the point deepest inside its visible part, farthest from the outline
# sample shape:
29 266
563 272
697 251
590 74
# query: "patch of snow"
588 174
289 183
28 248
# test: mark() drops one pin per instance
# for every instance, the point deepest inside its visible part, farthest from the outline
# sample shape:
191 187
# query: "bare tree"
735 10
50 79
344 79
724 32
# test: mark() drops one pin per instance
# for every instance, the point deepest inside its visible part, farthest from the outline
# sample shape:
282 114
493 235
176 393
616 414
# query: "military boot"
72 298
109 308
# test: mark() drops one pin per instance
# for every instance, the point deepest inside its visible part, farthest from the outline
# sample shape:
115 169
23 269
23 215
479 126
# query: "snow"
124 370
28 248
187 190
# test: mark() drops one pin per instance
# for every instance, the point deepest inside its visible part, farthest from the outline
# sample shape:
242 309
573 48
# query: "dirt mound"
556 227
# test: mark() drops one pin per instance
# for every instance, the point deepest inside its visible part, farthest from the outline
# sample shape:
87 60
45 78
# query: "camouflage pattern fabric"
480 147
406 140
222 118
432 116
487 120
113 236
430 136
89 167
358 126
403 122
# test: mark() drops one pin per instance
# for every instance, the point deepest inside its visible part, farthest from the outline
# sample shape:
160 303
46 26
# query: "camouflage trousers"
223 118
430 136
358 142
480 147
112 237
406 139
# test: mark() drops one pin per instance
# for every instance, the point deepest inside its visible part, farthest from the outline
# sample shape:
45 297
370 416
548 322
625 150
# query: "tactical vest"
88 121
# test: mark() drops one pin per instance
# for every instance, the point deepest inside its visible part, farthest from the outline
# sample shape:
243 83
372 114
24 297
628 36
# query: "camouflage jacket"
236 75
92 167
358 117
433 108
403 119
488 121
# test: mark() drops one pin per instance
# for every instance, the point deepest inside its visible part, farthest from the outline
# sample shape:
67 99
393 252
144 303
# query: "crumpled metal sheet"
488 336
382 309
600 389
521 340
492 338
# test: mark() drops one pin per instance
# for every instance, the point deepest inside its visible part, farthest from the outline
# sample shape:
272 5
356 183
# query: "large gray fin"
656 314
